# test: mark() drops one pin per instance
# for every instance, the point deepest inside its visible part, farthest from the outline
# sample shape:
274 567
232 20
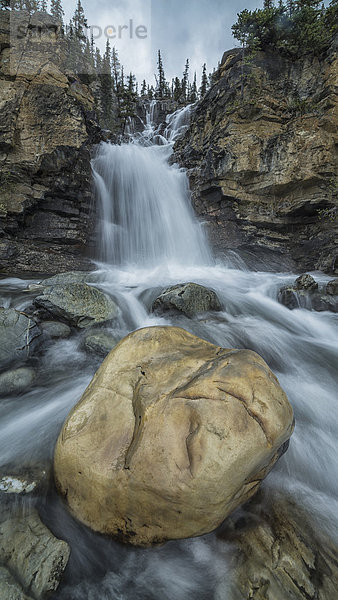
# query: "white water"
150 239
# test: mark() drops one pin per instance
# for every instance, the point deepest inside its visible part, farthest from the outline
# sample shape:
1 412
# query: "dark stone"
188 298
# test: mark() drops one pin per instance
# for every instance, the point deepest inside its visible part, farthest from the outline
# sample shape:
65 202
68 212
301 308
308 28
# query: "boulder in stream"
99 342
16 380
32 554
305 293
79 304
18 334
172 434
188 298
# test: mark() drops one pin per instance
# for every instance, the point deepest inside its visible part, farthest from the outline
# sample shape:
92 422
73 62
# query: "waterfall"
145 214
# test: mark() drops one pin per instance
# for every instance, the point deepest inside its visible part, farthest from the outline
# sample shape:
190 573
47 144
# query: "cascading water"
149 239
146 218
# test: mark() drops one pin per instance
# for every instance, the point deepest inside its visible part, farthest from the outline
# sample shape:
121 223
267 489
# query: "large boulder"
17 334
172 434
188 298
79 304
32 554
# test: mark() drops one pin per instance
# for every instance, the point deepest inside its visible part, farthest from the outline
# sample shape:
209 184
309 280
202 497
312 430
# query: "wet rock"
32 554
188 298
332 287
172 434
100 342
16 380
9 588
304 293
282 556
79 304
55 329
306 282
17 336
62 279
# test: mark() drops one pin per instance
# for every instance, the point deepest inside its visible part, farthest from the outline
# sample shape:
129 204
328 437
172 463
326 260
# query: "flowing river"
149 239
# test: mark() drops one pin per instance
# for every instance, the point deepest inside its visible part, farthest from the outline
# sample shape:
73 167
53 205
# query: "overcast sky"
196 29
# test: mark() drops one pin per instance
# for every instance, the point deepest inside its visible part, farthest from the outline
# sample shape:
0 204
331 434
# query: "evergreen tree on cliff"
204 82
79 21
161 81
5 4
56 9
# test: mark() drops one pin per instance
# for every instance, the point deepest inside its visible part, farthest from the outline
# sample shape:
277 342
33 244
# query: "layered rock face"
47 126
262 168
172 434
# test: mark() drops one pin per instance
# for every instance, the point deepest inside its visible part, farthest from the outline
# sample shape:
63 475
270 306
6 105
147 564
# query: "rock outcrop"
282 555
47 128
32 554
172 434
262 168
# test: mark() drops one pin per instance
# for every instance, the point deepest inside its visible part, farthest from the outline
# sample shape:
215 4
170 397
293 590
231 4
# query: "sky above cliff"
196 29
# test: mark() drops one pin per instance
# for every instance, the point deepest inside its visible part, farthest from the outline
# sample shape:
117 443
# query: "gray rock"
188 298
304 293
80 304
322 302
17 335
32 554
55 329
16 380
306 282
9 588
100 342
332 287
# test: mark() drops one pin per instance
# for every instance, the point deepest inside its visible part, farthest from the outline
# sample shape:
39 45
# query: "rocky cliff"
47 129
260 155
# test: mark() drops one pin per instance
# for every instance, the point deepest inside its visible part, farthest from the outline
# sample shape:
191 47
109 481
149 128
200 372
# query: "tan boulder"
172 434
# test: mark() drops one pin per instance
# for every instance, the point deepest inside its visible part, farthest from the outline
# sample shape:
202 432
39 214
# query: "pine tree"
161 82
44 6
80 21
106 87
56 10
185 80
116 67
177 95
5 4
193 93
144 89
204 82
268 4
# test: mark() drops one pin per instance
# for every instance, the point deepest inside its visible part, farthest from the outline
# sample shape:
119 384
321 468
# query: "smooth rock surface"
17 333
56 330
16 380
188 298
79 304
32 554
172 434
100 342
